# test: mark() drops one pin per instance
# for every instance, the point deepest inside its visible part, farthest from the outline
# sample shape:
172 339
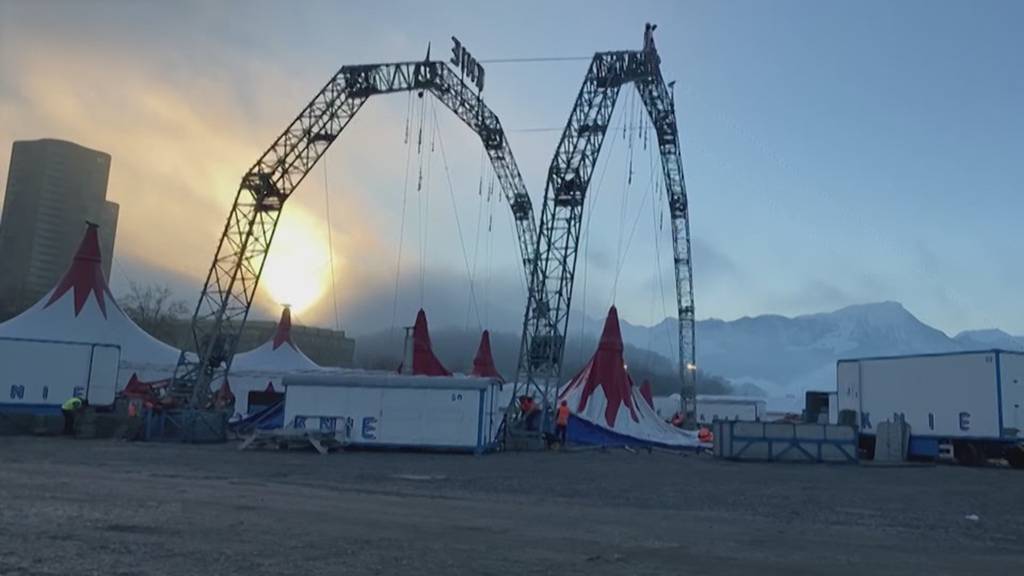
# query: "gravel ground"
111 508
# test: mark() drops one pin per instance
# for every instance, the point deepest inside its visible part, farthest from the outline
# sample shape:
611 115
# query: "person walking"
562 422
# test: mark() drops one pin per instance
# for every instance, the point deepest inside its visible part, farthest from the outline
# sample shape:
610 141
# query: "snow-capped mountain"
786 355
989 339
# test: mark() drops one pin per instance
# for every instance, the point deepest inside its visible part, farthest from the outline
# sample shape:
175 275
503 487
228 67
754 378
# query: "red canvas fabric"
424 362
483 363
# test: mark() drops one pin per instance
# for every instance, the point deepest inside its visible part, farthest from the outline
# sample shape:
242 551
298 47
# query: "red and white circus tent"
263 368
82 309
277 354
608 409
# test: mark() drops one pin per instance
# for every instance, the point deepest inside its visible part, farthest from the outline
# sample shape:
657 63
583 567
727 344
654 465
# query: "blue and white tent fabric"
606 408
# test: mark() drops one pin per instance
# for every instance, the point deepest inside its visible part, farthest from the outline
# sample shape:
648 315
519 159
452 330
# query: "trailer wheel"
1015 456
967 454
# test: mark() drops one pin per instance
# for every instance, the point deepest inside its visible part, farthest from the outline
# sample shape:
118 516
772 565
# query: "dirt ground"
112 508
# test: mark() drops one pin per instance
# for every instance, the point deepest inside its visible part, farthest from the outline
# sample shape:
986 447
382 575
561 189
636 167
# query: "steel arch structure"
546 318
234 275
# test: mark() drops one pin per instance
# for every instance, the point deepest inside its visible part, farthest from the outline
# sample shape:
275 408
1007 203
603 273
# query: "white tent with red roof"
277 354
608 409
81 309
263 368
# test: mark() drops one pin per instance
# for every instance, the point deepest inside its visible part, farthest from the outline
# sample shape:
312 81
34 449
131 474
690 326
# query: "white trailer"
972 400
711 408
455 413
39 375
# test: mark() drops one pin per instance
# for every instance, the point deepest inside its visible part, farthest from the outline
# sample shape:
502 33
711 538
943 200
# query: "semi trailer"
972 402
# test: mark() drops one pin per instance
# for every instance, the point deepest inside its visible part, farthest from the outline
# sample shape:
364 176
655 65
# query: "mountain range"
769 355
787 355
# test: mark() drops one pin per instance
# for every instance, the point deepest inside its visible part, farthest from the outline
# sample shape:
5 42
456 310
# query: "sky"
835 152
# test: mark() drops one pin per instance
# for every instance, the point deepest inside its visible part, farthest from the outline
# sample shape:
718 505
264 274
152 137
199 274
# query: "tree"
153 308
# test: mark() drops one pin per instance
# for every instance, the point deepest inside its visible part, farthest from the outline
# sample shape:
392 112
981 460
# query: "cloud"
711 263
181 134
176 152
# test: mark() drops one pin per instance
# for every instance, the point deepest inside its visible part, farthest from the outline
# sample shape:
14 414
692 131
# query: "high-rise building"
53 188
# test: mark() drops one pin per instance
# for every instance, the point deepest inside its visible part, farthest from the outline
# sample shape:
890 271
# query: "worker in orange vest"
133 428
562 422
677 419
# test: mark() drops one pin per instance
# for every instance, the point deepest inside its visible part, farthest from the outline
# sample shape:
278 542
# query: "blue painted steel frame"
847 447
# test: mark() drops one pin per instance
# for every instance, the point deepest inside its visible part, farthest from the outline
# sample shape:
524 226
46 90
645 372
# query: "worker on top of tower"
649 37
649 47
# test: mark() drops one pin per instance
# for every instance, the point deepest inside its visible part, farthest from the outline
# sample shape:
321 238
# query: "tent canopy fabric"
85 277
279 354
647 393
283 332
81 308
424 362
483 363
608 409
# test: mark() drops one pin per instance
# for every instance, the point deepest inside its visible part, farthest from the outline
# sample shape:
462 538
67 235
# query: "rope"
629 242
656 217
476 242
535 59
551 129
627 134
330 247
490 251
654 234
401 233
586 232
458 222
653 179
424 201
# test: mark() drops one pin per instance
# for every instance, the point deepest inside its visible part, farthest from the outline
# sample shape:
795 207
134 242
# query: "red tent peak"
647 392
270 387
85 276
136 387
611 336
607 371
424 362
420 331
483 363
284 329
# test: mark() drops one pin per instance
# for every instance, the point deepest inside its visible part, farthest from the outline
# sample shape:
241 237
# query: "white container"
42 374
711 408
391 410
961 395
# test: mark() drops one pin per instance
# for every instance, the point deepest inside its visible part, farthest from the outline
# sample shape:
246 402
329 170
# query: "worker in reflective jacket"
71 407
530 412
562 422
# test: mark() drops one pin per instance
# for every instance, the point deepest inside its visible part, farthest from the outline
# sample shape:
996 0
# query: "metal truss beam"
233 277
551 279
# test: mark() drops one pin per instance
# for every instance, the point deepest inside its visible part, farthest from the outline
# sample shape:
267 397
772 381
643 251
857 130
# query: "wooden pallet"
287 439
